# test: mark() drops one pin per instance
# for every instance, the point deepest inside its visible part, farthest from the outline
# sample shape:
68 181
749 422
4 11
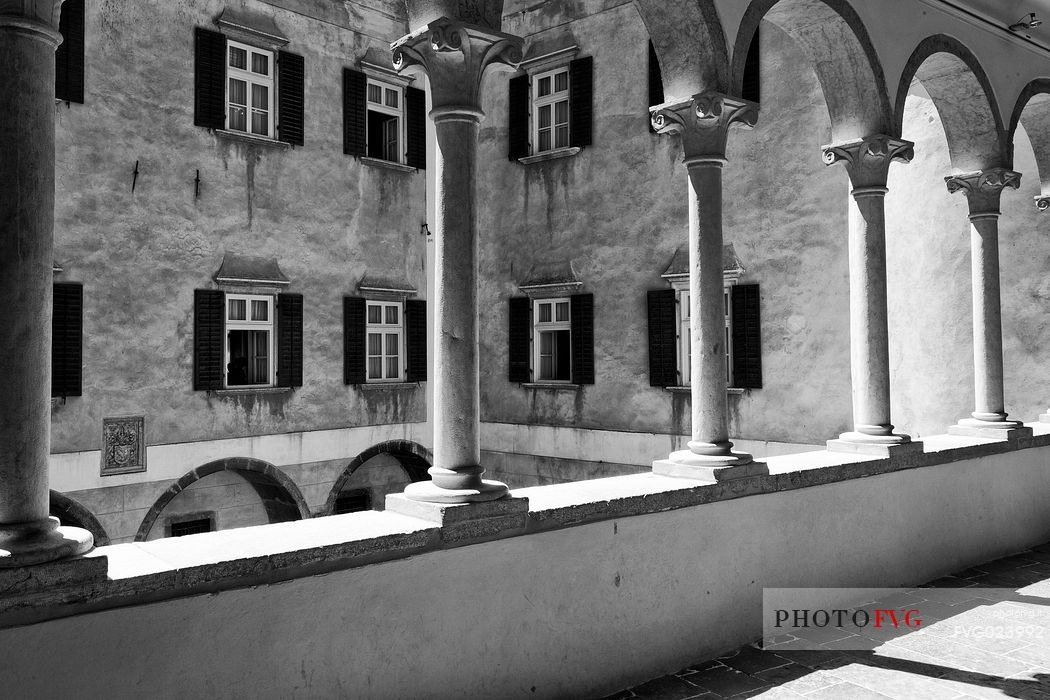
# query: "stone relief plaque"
123 445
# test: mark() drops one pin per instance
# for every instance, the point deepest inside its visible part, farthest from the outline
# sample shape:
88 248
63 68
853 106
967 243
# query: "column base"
429 492
460 522
26 544
686 464
997 430
890 445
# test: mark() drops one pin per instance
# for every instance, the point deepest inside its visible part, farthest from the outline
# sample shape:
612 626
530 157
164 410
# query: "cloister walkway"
1004 651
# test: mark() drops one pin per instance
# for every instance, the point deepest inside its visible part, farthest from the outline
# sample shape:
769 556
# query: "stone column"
1042 203
455 56
983 190
703 123
867 162
28 39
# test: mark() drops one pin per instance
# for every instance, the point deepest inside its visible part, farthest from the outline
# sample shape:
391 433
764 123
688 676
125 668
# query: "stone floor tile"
960 656
667 688
811 682
950 582
815 659
727 682
751 660
894 683
783 674
819 635
707 665
854 642
846 691
778 694
971 573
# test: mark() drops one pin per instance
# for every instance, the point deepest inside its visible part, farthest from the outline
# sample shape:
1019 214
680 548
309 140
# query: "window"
684 308
67 333
385 121
552 340
550 110
385 329
249 340
249 92
241 88
353 501
192 527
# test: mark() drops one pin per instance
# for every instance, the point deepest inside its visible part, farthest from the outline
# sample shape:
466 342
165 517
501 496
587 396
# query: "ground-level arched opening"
220 495
70 512
381 469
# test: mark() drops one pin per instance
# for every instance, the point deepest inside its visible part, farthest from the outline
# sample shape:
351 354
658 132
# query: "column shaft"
710 429
987 319
456 394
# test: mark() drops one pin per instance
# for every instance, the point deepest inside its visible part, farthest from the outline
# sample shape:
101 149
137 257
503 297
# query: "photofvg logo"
864 618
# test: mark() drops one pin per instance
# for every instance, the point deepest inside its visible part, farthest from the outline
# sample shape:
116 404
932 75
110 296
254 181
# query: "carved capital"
983 188
45 11
1042 202
455 56
868 160
703 121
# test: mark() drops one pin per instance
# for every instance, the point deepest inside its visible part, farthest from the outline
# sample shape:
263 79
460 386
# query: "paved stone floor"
993 657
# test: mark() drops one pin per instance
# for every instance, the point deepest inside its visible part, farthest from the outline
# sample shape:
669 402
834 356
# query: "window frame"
270 326
384 329
382 108
536 102
683 339
251 78
554 325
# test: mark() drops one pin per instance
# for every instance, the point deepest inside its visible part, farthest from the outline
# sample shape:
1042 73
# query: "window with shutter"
69 57
663 339
519 337
518 117
416 339
354 340
289 340
209 79
550 110
746 336
581 82
355 85
582 312
208 310
67 332
416 127
291 88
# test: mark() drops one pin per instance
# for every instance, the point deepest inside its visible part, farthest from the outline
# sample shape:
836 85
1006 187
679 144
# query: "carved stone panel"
123 445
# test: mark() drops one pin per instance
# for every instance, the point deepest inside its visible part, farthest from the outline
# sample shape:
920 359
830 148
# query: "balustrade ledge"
144 572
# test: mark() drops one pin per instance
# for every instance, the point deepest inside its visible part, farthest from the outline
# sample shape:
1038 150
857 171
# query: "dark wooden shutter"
207 339
581 89
355 106
289 340
656 81
354 338
518 339
291 86
751 89
69 58
67 332
581 308
209 79
747 337
416 339
518 118
663 341
416 127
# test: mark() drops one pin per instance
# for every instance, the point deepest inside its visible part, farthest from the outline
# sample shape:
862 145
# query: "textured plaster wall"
618 211
592 608
327 219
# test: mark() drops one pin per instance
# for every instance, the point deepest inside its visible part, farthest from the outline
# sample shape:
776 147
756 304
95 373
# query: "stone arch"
1032 109
690 44
832 35
280 496
70 512
964 99
413 457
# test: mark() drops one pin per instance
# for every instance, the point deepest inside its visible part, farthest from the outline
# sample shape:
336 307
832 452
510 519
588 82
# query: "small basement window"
192 527
352 502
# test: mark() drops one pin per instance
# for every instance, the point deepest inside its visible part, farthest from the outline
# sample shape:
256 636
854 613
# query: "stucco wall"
327 219
574 612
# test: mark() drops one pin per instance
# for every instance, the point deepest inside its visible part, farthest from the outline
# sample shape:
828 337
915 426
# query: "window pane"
561 355
562 312
375 343
259 353
260 97
546 343
391 314
545 117
391 343
260 63
391 368
391 98
561 82
238 57
375 368
545 140
237 310
375 313
375 94
562 137
238 120
260 310
544 87
390 134
545 313
238 92
561 112
260 124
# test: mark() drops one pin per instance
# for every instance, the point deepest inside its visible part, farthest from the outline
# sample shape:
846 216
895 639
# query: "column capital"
455 56
983 188
703 120
1042 202
867 160
39 11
